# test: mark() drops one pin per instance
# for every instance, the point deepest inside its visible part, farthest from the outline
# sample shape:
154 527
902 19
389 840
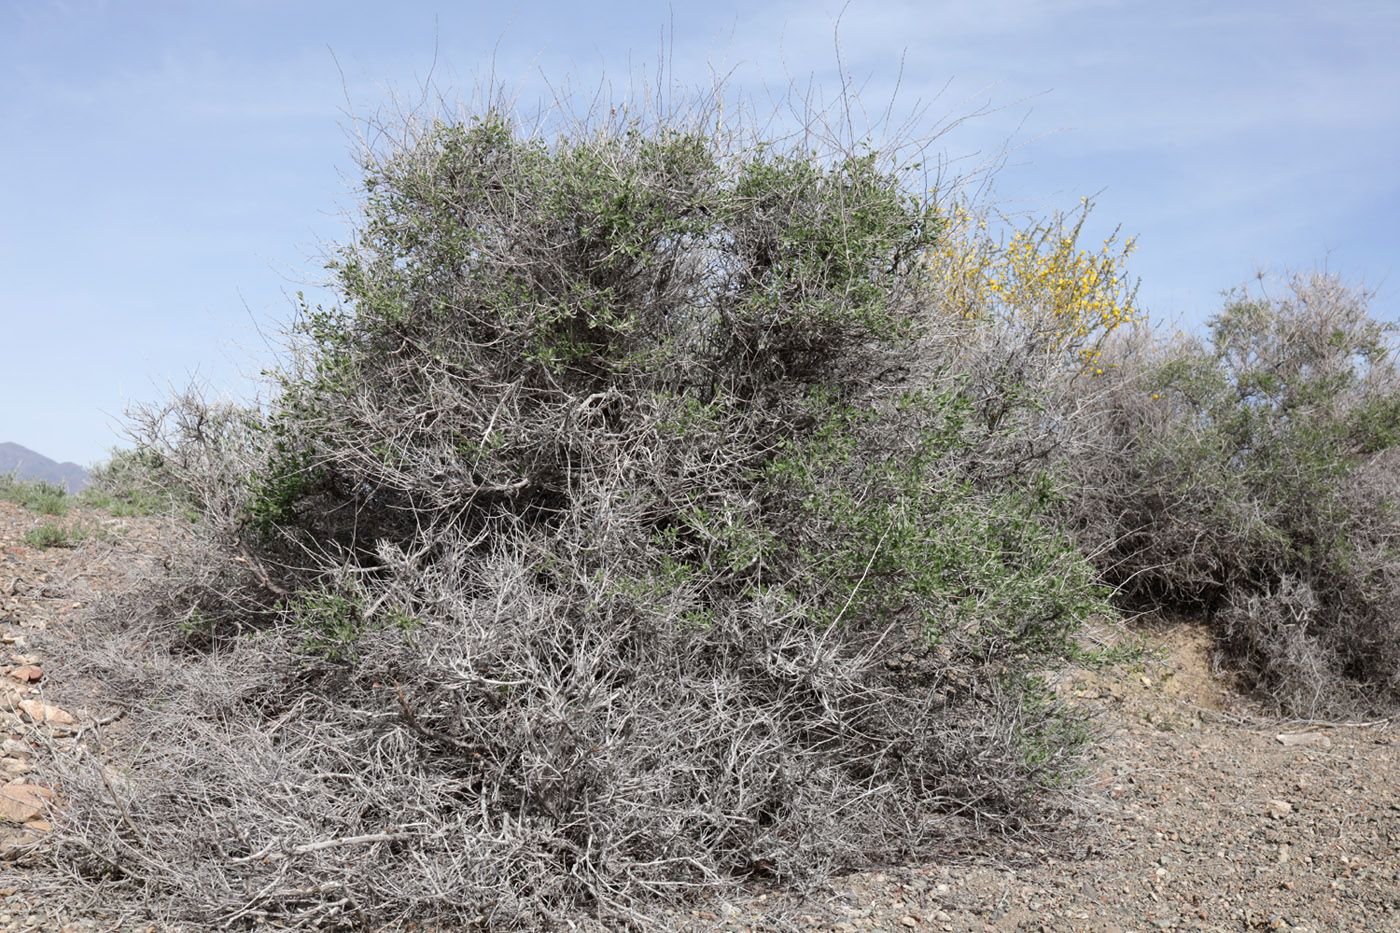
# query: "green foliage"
1284 418
49 534
276 489
606 222
1048 735
905 533
37 495
1258 486
135 482
330 622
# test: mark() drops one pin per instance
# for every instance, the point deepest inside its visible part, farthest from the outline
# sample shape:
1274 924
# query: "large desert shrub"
636 523
1252 477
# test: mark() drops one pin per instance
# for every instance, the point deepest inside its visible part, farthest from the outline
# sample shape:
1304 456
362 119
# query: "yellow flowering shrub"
1039 278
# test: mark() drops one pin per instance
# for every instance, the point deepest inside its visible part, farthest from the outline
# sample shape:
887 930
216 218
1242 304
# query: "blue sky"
172 169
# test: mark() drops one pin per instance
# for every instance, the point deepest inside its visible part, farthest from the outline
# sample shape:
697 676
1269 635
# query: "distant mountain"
26 464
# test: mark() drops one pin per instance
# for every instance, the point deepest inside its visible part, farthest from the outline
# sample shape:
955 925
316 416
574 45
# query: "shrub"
1038 287
49 535
1023 310
134 482
628 530
35 494
1252 478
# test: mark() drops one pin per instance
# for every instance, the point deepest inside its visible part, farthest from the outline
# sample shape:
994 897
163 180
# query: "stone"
21 802
1294 739
18 846
44 715
1278 809
28 673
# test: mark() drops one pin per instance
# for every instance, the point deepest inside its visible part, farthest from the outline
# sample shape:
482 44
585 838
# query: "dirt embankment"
1208 814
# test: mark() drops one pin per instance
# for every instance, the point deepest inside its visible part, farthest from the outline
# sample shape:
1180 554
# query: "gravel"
1210 816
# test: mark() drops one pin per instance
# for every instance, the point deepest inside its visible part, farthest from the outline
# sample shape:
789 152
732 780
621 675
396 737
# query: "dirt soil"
1207 814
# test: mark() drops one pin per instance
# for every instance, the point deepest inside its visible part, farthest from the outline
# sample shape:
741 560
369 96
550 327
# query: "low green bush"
41 496
49 535
135 482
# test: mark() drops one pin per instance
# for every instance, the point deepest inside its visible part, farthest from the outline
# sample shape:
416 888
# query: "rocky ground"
1208 815
40 588
1211 817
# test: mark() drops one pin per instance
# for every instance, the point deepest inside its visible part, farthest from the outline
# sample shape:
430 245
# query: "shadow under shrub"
1252 478
619 537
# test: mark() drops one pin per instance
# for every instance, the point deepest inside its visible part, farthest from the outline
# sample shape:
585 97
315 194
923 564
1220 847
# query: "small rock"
43 714
16 847
14 748
908 921
1278 809
28 673
1293 739
21 802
